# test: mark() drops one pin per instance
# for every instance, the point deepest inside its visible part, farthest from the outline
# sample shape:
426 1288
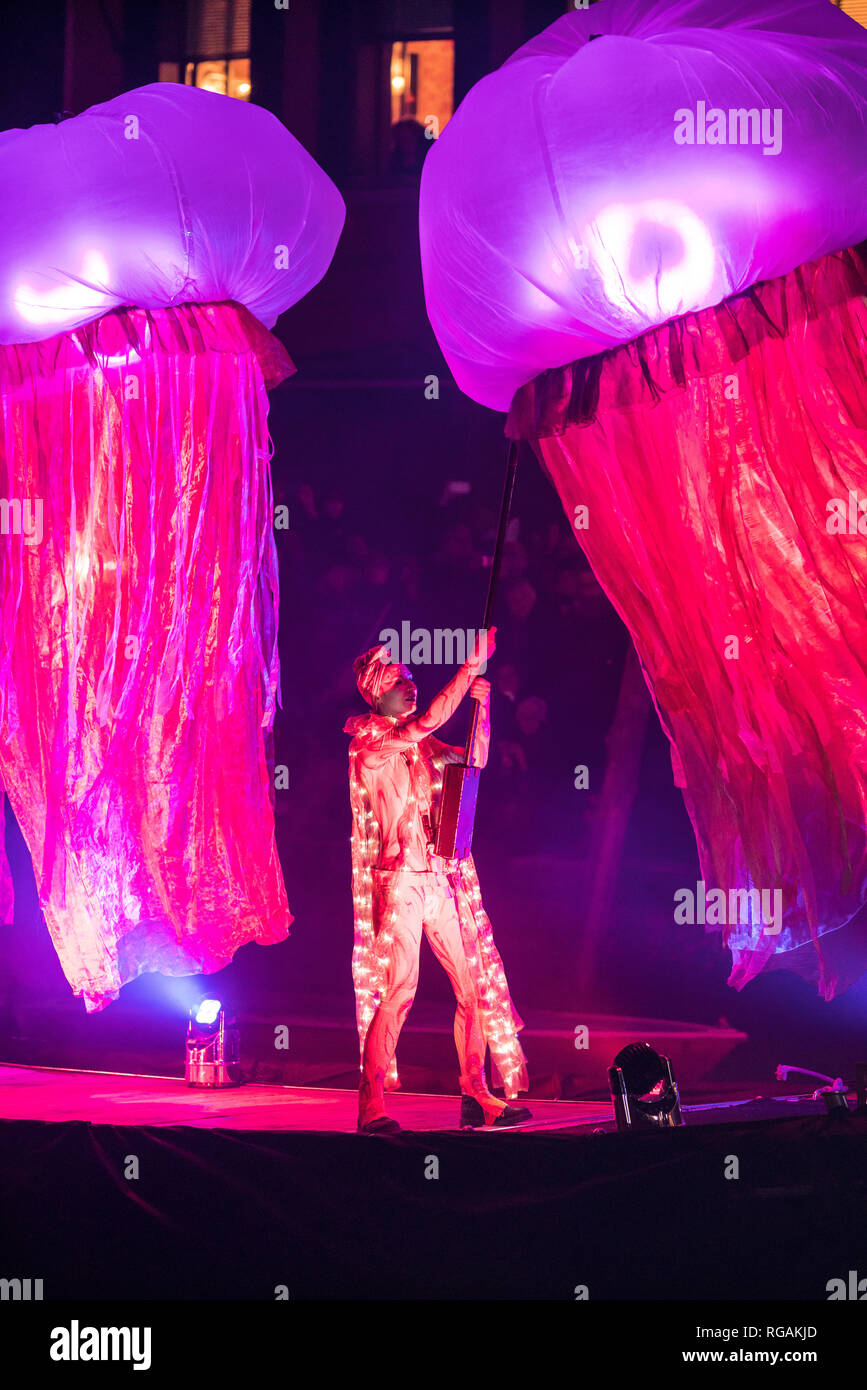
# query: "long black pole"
505 508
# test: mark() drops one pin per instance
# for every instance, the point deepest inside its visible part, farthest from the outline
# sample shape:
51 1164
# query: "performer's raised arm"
393 693
479 690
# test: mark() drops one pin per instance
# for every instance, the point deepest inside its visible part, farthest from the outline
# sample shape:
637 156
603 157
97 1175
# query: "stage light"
213 1047
643 1089
208 1011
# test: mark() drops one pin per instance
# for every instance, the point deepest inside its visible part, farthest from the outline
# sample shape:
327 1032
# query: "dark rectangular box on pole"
454 835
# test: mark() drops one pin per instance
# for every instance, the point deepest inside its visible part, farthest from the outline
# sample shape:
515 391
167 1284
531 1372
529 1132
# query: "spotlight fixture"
643 1089
213 1047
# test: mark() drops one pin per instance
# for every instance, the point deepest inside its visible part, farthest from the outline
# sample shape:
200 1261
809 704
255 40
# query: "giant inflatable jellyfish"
147 247
640 236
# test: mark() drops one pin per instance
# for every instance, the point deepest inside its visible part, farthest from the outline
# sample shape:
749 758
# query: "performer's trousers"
404 905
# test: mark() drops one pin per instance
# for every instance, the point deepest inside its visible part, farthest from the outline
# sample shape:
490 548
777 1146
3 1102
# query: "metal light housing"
643 1089
213 1056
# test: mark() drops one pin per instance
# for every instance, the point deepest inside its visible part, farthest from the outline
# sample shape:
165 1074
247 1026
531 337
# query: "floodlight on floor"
213 1047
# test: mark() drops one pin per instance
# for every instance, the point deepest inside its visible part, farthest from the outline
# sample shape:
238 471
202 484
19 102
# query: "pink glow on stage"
112 1098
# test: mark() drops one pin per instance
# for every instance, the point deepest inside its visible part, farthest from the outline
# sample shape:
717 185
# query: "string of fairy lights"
500 1023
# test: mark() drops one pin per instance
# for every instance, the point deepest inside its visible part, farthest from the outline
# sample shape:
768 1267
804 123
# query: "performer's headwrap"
376 674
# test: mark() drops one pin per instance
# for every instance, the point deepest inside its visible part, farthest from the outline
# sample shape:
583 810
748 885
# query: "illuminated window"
403 92
857 9
218 47
423 81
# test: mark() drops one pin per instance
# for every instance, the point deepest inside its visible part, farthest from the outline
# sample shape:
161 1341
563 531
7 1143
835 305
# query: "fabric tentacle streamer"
7 890
667 296
751 643
139 669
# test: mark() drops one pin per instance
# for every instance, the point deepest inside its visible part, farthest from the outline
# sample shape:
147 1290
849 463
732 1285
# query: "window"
415 81
856 8
217 48
423 81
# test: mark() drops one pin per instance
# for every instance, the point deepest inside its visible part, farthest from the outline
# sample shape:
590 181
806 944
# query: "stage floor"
60 1096
129 1187
112 1098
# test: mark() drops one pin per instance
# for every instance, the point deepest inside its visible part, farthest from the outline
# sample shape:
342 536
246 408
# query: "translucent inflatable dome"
166 195
634 162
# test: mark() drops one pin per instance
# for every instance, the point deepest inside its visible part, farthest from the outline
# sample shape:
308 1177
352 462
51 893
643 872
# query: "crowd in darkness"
348 575
555 675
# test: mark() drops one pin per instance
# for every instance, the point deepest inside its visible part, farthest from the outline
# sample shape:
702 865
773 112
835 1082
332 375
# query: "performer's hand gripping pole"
457 813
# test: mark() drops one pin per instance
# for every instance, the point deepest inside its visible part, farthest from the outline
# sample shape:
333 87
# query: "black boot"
381 1125
473 1116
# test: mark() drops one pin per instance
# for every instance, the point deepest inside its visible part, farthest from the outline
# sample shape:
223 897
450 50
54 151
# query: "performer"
401 887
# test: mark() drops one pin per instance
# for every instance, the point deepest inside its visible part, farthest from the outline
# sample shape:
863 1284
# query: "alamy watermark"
421 646
853 1288
77 1343
714 907
19 518
21 1290
737 126
847 516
